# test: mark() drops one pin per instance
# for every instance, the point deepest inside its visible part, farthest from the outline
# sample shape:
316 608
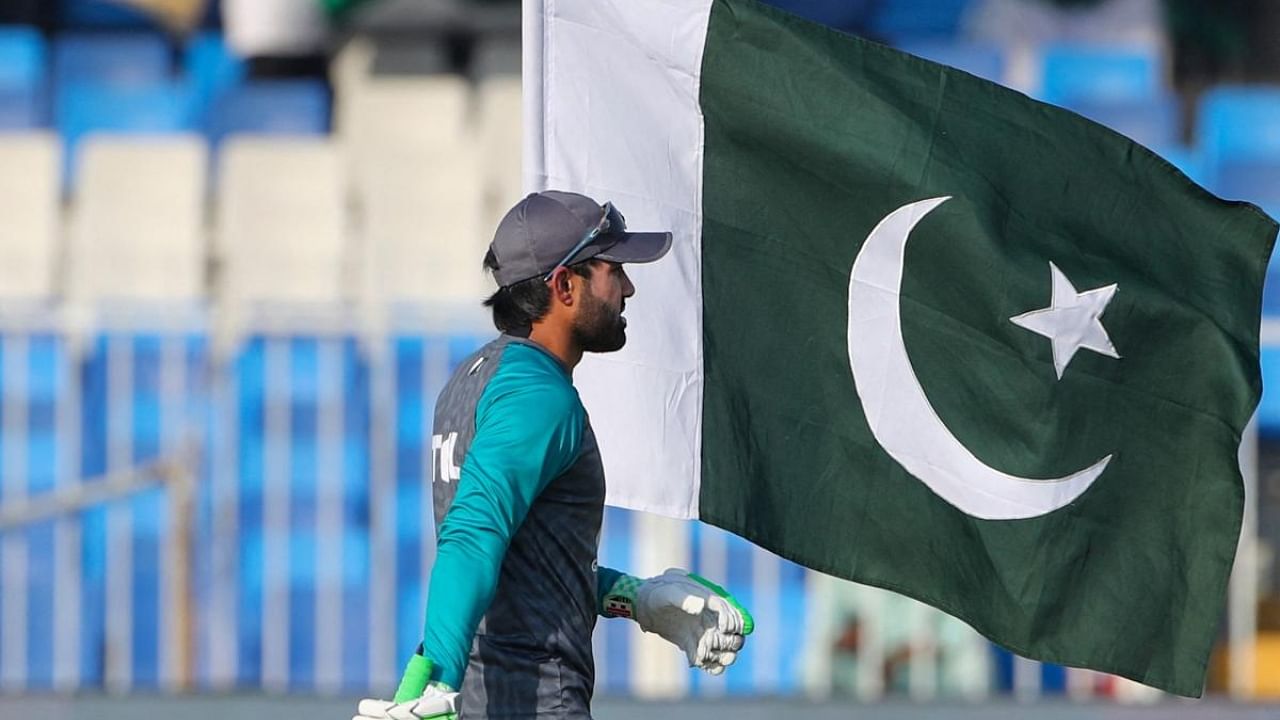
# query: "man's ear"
562 285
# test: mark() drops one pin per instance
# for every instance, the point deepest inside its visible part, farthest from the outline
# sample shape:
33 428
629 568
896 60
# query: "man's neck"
559 343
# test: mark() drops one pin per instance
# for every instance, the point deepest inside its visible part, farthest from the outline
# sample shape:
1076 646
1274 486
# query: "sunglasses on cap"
610 221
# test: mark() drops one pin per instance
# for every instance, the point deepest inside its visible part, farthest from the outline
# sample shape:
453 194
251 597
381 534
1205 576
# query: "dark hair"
517 307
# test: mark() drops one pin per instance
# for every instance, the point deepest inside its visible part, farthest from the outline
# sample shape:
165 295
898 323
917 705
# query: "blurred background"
240 244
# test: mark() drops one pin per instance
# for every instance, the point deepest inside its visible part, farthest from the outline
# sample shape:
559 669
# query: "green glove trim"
417 673
748 622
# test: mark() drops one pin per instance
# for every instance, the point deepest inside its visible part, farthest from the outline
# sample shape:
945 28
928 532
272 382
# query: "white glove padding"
435 703
698 617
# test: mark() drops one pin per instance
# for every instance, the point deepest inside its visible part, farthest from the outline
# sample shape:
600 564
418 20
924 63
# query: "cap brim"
636 247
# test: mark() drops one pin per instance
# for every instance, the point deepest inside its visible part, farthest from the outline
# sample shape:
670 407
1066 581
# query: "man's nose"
627 288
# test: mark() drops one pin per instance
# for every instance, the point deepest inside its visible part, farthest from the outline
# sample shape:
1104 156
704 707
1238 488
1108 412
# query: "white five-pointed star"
1072 320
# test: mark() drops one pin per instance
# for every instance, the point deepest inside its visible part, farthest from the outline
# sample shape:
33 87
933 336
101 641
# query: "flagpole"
534 142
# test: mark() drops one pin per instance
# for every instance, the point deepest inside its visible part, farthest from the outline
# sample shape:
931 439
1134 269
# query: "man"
519 490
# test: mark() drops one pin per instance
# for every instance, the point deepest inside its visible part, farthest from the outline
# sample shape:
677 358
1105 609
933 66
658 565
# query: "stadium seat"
131 59
211 67
30 208
1152 123
276 107
500 141
1239 139
1239 122
401 115
901 19
848 15
83 109
281 221
22 78
1096 74
423 236
982 59
136 227
418 112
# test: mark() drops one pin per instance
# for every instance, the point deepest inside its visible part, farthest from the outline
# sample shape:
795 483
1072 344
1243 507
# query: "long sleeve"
526 435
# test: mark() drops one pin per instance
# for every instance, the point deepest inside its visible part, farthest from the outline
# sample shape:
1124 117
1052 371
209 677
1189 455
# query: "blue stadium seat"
22 56
285 107
1075 73
1239 138
133 59
22 78
849 15
211 67
901 19
1239 122
82 109
1152 122
982 59
100 14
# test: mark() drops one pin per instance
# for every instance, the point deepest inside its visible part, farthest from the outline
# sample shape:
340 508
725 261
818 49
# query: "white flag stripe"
618 90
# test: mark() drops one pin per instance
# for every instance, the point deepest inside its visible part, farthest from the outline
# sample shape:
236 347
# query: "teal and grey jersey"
519 493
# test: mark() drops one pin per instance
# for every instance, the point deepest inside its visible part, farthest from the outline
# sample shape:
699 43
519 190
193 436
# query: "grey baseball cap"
542 230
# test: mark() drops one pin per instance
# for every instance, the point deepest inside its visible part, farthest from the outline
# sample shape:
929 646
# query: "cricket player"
519 491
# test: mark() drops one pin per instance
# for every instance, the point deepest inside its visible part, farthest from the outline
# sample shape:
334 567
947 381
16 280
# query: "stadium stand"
136 230
319 449
31 211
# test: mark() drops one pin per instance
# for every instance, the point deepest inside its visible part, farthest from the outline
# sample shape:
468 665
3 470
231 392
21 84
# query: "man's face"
599 326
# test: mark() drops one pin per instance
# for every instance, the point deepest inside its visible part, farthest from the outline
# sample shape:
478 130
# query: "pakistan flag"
916 329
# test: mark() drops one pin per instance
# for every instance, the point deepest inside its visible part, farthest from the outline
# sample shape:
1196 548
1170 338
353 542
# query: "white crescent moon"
897 409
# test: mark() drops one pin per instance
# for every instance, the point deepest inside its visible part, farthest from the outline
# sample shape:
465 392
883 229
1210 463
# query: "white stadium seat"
30 207
281 221
403 113
424 238
137 223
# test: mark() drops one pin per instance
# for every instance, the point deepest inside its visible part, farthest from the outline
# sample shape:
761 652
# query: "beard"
599 328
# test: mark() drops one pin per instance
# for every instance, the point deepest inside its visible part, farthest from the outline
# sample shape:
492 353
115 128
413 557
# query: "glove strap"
620 600
417 673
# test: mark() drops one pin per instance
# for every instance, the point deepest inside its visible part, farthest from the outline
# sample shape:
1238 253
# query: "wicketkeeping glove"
416 698
690 612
